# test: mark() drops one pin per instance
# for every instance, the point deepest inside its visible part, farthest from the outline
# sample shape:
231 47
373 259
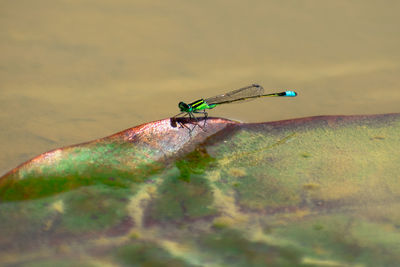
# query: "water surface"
75 71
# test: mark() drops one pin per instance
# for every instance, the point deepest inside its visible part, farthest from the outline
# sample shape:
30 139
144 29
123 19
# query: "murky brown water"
75 71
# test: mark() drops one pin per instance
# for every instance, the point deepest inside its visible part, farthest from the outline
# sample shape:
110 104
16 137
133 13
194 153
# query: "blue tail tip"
291 93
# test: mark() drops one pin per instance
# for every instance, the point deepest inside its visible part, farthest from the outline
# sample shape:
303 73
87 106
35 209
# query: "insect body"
240 95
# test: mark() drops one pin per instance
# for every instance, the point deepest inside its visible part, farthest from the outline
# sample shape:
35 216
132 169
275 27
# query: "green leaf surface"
319 191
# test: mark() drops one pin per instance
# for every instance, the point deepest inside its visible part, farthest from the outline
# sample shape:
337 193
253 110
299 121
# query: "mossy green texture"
322 191
114 164
185 193
94 208
141 253
341 164
230 247
69 216
345 238
60 263
193 163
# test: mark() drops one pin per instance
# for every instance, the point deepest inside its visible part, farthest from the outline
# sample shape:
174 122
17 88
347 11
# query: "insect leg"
198 123
205 117
182 124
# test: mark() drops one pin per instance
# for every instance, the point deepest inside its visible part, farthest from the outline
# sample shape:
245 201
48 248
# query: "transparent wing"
239 95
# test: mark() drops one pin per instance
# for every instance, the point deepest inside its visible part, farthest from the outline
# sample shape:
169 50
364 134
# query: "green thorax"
200 104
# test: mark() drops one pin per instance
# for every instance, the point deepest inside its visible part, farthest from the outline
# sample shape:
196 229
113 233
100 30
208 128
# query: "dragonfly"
247 93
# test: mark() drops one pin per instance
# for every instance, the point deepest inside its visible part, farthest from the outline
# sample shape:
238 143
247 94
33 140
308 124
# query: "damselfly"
243 94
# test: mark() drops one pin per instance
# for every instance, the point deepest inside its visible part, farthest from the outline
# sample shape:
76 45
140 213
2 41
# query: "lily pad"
305 192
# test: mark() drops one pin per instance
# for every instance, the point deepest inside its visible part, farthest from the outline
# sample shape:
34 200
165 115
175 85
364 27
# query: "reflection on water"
74 71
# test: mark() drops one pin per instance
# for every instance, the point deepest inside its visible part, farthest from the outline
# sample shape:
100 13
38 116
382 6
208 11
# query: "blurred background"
74 71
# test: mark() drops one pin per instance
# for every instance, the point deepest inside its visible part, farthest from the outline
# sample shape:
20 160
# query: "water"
75 71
